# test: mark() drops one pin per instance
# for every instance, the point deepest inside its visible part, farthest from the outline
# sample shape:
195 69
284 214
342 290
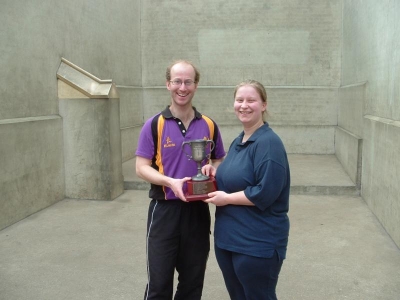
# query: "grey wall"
279 42
292 47
101 37
370 112
331 68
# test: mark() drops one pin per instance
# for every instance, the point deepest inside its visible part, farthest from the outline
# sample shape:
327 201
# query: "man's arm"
216 162
145 171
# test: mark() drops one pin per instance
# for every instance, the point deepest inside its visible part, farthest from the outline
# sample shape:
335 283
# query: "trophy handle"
211 147
183 149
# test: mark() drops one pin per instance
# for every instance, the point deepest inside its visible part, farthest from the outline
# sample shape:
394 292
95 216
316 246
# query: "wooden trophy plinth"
198 190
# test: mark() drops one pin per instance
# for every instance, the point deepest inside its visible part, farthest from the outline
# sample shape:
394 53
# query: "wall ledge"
383 120
29 119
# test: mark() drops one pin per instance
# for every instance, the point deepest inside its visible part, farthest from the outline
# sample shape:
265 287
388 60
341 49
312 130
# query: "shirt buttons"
183 131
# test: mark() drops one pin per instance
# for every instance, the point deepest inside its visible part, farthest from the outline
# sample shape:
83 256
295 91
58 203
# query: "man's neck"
184 113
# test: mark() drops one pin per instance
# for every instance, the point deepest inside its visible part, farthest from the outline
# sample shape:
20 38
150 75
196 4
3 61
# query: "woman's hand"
209 170
218 198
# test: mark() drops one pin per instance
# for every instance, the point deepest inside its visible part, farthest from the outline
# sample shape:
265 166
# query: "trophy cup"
200 185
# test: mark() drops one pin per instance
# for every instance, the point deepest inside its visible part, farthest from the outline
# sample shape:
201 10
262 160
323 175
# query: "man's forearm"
216 162
151 175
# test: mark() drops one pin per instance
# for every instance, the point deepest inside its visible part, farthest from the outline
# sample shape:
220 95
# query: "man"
178 231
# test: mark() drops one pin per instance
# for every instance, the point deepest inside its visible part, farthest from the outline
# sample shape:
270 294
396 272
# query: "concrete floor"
83 249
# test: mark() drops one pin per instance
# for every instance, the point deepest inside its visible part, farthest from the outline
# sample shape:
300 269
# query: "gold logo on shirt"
169 143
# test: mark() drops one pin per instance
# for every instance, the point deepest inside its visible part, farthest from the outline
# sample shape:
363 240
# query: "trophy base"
198 190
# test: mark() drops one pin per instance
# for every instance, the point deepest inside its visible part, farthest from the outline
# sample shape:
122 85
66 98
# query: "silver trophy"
198 148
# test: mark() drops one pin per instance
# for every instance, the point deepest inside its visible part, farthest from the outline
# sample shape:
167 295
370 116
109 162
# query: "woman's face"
249 107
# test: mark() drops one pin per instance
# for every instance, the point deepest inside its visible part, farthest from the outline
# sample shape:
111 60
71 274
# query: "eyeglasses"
179 82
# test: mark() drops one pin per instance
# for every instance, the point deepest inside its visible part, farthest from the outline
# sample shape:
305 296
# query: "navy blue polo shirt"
260 168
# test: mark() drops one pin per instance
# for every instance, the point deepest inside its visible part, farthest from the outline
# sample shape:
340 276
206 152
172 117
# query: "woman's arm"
220 198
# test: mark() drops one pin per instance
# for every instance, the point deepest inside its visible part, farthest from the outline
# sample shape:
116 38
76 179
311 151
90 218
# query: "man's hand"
176 185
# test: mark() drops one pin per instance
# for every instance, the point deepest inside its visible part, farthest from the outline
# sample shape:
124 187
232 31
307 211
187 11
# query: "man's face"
182 86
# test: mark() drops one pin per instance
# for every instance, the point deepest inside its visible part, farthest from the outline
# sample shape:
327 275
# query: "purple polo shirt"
172 161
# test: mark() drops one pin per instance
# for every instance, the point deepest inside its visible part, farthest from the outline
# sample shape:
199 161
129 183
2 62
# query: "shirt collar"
166 113
256 133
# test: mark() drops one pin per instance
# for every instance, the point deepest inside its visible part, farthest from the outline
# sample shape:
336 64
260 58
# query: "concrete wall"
349 132
371 53
98 36
292 47
31 166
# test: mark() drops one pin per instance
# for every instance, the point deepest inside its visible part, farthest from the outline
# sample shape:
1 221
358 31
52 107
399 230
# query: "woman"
251 222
